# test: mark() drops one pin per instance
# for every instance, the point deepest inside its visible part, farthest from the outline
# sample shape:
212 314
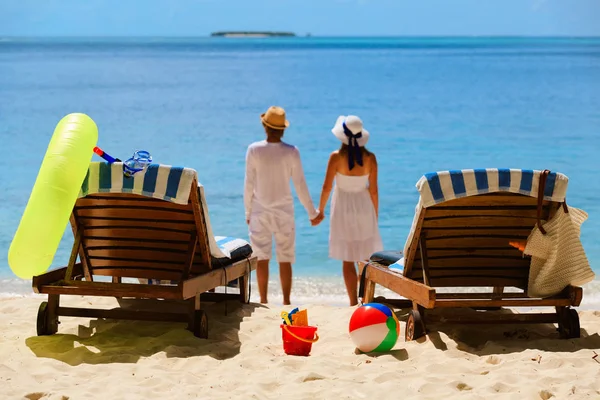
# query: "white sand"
98 359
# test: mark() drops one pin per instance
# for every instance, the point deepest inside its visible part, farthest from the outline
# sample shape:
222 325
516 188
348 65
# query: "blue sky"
319 17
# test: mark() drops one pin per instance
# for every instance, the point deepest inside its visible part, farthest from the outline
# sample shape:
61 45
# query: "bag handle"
565 207
540 200
541 189
299 338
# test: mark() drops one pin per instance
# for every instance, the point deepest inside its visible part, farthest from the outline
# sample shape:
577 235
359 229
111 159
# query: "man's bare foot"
263 301
286 302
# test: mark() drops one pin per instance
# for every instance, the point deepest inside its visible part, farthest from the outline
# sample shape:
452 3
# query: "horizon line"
307 35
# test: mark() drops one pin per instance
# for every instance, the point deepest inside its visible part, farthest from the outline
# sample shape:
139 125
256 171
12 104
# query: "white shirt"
269 167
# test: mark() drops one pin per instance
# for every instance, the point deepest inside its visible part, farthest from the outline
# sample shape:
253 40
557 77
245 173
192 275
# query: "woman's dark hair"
344 149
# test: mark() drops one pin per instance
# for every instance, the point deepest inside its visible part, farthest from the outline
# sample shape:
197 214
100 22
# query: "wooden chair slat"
507 262
111 222
475 281
492 200
127 202
123 243
124 214
529 212
477 222
144 233
472 252
457 272
137 253
141 272
472 242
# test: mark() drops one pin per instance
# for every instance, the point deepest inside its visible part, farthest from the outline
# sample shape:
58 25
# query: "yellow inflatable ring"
53 196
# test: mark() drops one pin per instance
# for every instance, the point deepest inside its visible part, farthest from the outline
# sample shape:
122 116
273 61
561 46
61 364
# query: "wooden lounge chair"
153 227
460 238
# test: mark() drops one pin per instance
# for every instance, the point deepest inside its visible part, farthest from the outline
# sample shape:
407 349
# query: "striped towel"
437 187
162 182
158 181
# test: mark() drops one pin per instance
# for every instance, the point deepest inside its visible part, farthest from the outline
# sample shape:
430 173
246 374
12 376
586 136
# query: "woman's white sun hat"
353 125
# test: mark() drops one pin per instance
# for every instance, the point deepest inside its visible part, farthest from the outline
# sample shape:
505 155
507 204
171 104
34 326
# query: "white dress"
354 234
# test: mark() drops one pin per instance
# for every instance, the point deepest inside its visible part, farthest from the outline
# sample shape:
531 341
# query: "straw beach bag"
557 255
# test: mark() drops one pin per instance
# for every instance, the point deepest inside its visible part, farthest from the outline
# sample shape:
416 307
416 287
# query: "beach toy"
286 318
138 162
53 196
297 335
374 327
300 318
295 317
105 155
298 340
291 315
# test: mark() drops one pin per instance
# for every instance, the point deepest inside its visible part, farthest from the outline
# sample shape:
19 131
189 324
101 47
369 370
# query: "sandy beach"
243 358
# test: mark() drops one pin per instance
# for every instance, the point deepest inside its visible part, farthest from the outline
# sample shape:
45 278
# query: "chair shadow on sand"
104 341
493 339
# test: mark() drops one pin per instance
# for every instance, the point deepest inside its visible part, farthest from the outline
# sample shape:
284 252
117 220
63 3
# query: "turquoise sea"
429 104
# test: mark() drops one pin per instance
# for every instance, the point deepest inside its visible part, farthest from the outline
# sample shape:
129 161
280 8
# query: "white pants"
263 227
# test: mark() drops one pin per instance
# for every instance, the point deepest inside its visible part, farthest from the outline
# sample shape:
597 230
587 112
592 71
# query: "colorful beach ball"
374 327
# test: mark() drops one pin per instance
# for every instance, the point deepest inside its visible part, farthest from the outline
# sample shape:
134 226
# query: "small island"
252 34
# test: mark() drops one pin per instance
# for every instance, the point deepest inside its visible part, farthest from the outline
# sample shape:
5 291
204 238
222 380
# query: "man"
270 164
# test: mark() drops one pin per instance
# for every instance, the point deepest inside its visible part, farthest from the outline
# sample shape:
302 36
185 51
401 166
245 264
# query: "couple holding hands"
268 202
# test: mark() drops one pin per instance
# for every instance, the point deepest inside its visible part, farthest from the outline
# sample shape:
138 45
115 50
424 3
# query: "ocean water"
429 103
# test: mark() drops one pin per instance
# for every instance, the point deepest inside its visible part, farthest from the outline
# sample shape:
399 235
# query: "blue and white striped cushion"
437 187
229 244
159 181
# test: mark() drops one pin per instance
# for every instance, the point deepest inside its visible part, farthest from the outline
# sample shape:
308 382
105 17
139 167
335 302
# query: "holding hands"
317 220
314 222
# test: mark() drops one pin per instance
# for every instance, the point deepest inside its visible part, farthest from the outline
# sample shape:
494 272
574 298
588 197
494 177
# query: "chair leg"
117 279
53 304
568 323
369 291
197 319
193 304
244 283
47 318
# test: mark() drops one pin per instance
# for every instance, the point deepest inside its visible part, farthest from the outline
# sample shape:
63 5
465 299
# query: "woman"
354 234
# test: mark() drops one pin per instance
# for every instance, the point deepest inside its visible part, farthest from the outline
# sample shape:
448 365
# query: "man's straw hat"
275 118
